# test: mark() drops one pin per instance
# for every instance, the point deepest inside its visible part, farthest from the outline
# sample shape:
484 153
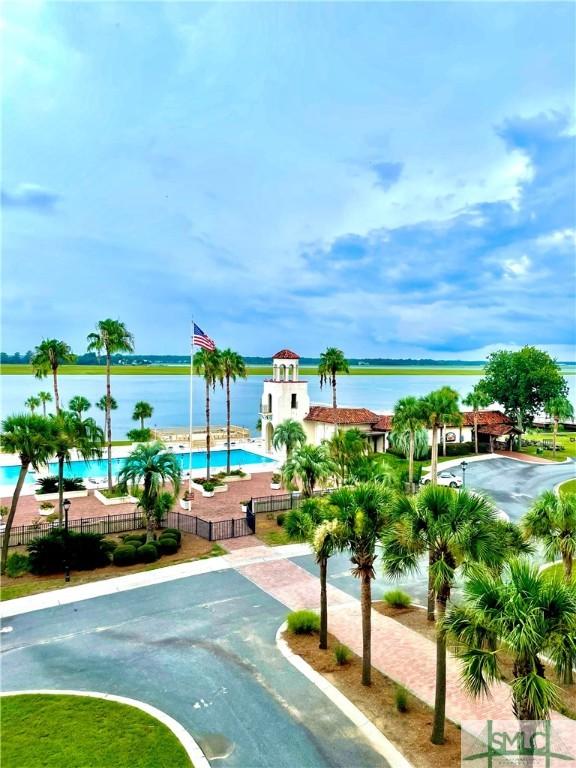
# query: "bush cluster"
401 698
303 622
397 599
84 551
342 654
125 554
49 484
139 435
280 518
17 565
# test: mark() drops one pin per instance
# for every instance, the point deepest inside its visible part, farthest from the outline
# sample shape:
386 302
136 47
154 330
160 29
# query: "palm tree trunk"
440 697
430 614
56 395
443 439
366 601
44 408
475 431
60 490
207 430
150 525
142 423
10 518
567 560
333 390
323 604
555 434
411 461
227 425
109 419
434 455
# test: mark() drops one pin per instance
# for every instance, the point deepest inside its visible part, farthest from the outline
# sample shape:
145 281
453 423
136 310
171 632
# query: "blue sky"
396 179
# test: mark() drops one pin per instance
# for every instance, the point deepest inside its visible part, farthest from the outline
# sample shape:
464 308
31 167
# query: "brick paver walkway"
524 457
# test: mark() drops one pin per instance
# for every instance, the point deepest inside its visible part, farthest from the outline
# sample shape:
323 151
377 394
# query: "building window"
294 403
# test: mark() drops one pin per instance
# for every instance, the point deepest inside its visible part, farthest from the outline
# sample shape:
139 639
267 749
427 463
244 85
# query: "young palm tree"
332 361
454 528
559 409
362 513
142 410
552 520
44 397
102 406
409 417
30 437
310 465
149 464
522 613
50 354
32 403
347 449
79 405
233 367
72 433
206 363
111 336
313 521
290 434
477 399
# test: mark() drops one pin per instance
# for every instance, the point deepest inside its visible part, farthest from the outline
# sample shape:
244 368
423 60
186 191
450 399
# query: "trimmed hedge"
124 555
84 552
147 553
303 622
140 537
167 545
397 599
174 532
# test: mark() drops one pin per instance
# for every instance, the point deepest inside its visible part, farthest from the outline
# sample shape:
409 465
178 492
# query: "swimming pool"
99 468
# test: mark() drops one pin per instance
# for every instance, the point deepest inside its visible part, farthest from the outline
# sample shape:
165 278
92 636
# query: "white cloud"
516 268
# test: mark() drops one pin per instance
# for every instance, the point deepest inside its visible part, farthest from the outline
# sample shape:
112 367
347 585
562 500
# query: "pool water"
99 468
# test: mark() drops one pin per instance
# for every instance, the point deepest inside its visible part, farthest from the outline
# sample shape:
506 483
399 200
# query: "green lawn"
556 571
54 731
568 487
562 439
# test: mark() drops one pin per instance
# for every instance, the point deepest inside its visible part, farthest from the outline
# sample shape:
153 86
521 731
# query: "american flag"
201 340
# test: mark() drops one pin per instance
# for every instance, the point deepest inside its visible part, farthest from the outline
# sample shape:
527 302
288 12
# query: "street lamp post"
67 504
463 465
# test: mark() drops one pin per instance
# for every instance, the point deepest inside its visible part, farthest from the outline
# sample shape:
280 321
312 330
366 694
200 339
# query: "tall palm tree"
362 513
310 465
347 449
559 409
522 613
49 355
233 367
552 520
288 434
409 417
151 465
332 361
313 521
32 403
111 336
102 405
78 405
454 528
73 433
206 363
477 399
142 410
29 436
44 397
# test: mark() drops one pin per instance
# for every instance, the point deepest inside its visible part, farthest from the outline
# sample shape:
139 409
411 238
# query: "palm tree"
44 397
476 399
332 361
233 367
290 434
362 513
32 403
154 467
559 409
73 433
206 363
111 336
102 405
50 354
79 405
347 449
409 417
311 465
522 613
454 528
142 410
29 436
552 520
313 521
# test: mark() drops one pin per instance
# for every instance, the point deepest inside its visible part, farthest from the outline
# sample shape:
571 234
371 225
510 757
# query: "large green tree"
552 520
142 410
559 409
207 364
409 417
79 405
476 399
347 449
522 382
288 434
233 367
44 397
31 437
332 361
519 613
153 467
110 337
48 356
309 465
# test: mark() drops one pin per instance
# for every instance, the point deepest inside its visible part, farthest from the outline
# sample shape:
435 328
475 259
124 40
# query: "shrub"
167 545
397 599
172 532
147 553
139 537
303 622
401 698
342 654
109 545
280 518
139 435
3 510
124 555
17 565
84 551
49 484
237 473
276 478
208 486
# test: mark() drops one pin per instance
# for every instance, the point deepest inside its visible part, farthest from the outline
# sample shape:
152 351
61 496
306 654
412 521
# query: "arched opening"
269 433
269 403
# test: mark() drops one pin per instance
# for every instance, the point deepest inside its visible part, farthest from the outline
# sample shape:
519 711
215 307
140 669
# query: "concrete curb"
458 460
559 485
198 758
376 738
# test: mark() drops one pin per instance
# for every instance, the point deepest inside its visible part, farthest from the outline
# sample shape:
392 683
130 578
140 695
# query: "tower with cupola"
284 396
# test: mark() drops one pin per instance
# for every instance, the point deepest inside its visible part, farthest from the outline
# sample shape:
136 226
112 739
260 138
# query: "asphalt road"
201 649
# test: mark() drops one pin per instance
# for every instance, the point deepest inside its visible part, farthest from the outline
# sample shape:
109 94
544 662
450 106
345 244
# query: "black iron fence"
213 530
282 502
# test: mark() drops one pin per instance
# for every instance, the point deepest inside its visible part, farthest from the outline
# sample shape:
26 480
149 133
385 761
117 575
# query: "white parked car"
444 478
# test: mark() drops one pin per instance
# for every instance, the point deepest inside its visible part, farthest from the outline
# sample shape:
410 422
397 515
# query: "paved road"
202 649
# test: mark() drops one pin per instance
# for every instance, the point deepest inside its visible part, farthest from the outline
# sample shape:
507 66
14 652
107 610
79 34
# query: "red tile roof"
286 354
341 415
384 423
486 418
498 429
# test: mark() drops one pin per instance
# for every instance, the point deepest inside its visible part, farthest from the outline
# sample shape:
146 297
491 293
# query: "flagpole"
191 406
